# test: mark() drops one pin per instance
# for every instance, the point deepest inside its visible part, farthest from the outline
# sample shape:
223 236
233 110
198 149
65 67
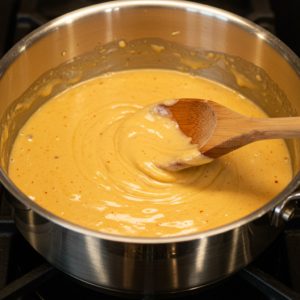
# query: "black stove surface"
24 274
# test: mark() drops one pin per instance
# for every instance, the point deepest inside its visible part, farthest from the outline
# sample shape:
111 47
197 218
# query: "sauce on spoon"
217 130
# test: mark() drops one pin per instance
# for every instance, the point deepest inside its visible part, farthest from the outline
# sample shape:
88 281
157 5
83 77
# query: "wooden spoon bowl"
218 130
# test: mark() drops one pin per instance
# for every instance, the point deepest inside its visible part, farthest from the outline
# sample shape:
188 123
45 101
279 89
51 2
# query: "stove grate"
28 282
267 284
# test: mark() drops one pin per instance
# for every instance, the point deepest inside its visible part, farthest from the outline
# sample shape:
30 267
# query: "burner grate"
271 287
28 282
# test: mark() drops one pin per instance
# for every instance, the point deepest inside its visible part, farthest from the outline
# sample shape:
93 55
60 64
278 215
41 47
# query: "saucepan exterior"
146 265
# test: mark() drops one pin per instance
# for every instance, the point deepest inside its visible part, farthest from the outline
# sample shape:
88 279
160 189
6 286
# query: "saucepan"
84 43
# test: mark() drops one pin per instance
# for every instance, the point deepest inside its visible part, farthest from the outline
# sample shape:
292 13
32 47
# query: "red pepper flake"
108 161
201 211
100 133
276 181
46 192
94 115
31 181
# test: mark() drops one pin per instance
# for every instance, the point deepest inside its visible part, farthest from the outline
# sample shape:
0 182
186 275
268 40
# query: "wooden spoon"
218 130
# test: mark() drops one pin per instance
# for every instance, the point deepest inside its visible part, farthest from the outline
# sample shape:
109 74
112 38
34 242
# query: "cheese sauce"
87 156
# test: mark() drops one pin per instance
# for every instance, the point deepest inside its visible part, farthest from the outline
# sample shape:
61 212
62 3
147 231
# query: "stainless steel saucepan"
84 43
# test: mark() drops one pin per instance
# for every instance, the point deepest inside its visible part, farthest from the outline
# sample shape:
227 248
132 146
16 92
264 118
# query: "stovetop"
24 274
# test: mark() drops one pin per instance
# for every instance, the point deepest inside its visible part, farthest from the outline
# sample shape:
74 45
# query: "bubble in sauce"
64 53
30 137
258 77
175 32
122 44
149 210
209 55
157 48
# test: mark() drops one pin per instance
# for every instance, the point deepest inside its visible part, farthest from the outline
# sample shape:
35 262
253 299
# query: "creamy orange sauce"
87 156
151 141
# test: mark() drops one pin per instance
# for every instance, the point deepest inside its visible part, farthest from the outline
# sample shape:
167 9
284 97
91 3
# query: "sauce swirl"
93 156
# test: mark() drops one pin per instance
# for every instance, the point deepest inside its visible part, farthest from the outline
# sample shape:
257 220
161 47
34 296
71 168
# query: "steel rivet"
288 213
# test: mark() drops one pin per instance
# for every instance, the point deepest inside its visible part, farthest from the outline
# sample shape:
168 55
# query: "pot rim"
61 21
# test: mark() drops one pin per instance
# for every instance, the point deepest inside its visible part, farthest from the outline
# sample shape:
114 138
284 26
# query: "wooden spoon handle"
276 128
240 131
